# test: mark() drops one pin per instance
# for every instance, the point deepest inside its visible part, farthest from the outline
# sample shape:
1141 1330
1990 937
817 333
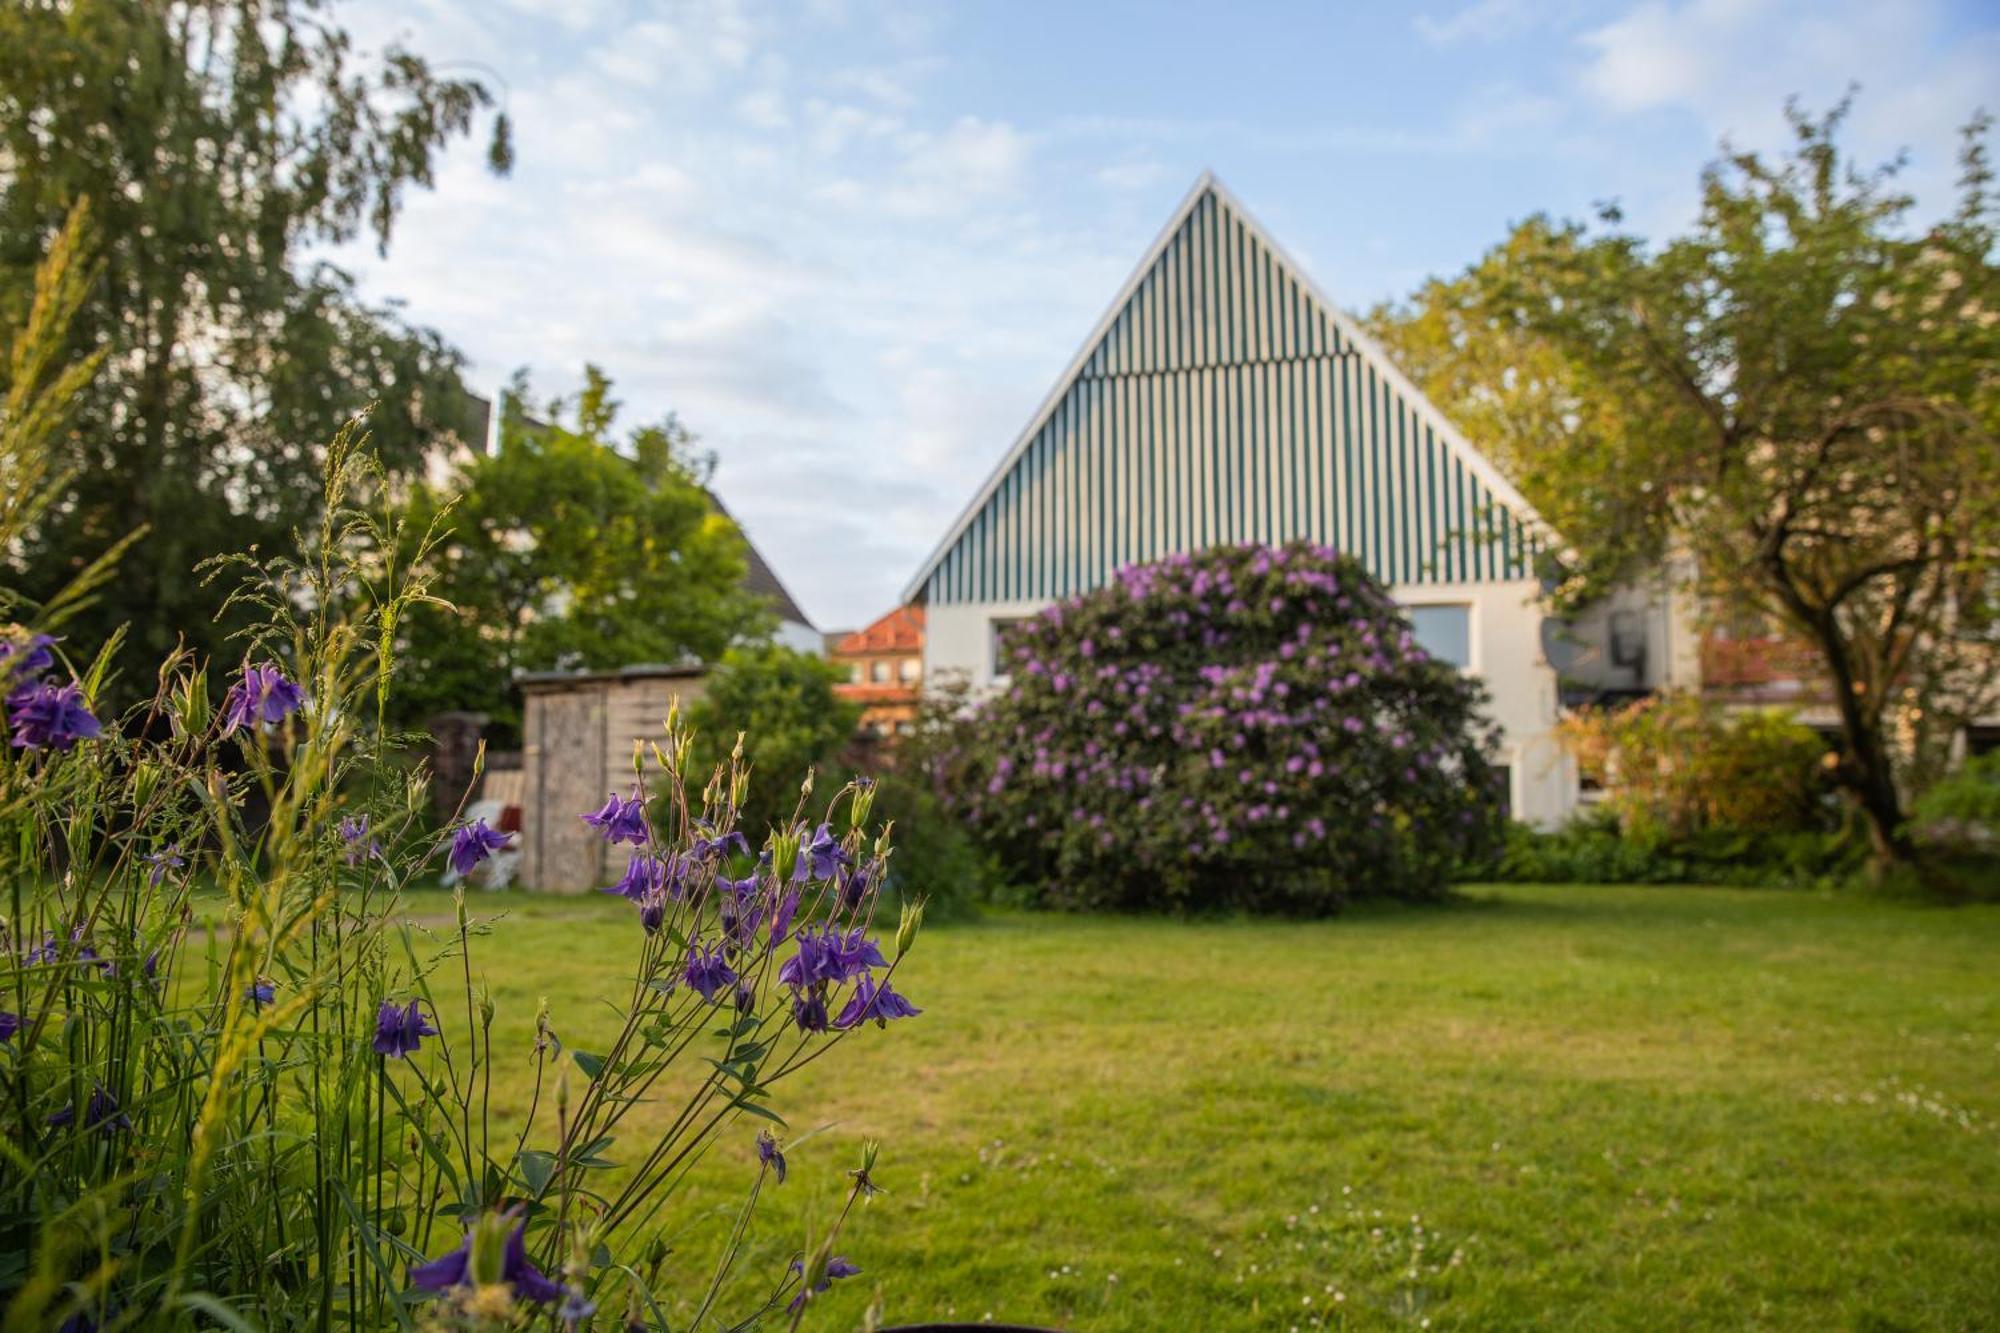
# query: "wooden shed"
578 730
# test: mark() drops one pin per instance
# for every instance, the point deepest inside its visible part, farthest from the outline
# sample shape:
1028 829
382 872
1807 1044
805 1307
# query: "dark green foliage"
1248 727
1591 850
784 700
567 552
217 145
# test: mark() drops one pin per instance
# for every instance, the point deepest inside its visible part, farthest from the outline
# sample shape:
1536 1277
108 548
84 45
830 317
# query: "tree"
784 701
1247 728
218 142
1799 394
565 553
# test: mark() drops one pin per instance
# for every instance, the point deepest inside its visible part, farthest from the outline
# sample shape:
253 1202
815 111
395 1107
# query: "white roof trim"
1469 454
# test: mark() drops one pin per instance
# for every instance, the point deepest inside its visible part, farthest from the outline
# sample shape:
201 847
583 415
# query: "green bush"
784 702
1675 766
1963 809
1593 850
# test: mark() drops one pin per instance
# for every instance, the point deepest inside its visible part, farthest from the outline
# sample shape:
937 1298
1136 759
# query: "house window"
854 673
1444 631
1001 624
912 668
878 671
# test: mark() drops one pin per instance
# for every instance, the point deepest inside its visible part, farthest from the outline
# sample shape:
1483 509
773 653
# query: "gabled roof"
758 576
900 631
1224 397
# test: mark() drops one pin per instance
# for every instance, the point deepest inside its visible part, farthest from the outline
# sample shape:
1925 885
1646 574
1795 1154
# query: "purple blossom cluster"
1248 727
44 715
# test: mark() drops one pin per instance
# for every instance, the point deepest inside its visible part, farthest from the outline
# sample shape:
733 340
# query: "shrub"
1593 850
1674 765
1248 727
283 1120
783 703
1962 809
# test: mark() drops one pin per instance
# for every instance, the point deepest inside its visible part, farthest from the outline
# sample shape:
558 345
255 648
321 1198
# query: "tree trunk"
1865 770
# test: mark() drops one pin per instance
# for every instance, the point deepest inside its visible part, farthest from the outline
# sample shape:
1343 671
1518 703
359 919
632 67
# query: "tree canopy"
218 144
567 550
1799 394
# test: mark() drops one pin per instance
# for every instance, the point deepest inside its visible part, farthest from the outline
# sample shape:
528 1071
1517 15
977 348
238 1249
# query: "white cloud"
1483 20
1732 65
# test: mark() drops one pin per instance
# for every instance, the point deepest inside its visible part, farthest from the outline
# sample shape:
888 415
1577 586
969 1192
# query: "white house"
1224 398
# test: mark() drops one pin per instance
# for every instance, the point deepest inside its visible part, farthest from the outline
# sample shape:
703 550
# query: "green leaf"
537 1169
764 1111
592 1065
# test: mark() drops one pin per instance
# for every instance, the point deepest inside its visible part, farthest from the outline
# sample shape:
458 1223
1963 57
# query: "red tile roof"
901 631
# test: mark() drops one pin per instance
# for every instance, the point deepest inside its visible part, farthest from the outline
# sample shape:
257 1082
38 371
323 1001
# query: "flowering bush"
1674 766
280 1118
1248 727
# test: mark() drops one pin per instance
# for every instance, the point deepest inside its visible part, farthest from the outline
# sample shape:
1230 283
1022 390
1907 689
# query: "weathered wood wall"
578 737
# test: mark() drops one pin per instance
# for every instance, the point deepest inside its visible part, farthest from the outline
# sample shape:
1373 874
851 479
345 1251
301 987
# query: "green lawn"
1539 1107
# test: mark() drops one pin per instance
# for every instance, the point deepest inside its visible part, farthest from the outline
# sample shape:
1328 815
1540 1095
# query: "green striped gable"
1223 399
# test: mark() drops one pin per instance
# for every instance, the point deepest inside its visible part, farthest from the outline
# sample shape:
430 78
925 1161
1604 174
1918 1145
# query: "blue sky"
853 243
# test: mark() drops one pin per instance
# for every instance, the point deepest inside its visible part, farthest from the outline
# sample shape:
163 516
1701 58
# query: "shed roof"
536 681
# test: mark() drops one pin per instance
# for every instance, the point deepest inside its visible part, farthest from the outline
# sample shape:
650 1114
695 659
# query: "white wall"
1506 654
800 638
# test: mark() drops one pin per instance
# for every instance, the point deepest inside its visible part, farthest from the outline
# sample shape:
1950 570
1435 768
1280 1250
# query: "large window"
878 671
1444 631
911 669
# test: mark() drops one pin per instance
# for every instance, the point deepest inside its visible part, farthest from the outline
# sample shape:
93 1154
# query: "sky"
854 242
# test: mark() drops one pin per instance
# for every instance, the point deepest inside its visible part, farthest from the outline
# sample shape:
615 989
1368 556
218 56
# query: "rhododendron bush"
1249 727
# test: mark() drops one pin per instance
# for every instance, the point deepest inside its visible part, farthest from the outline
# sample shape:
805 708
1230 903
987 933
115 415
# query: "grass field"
1538 1107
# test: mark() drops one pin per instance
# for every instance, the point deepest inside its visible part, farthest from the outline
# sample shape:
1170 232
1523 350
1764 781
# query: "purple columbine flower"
263 694
51 717
10 1023
836 1267
644 876
716 848
853 887
782 912
858 953
260 993
621 820
528 1282
809 1012
877 1002
160 862
653 912
354 833
399 1031
473 843
812 965
820 856
769 1154
734 901
100 1113
708 971
20 663
46 951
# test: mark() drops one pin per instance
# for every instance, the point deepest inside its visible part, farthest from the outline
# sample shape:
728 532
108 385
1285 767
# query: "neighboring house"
794 630
1222 398
885 666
